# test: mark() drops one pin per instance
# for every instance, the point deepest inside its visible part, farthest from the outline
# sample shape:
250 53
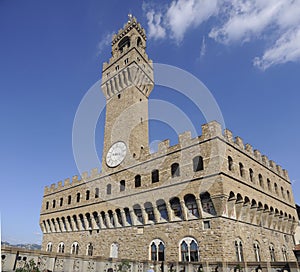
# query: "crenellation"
59 185
239 142
67 182
272 165
228 135
163 146
75 180
53 187
265 160
184 138
85 176
94 173
286 174
249 148
211 130
257 155
279 170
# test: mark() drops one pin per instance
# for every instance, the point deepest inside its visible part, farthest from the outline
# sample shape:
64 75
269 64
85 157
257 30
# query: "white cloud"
236 21
105 42
286 49
156 31
203 48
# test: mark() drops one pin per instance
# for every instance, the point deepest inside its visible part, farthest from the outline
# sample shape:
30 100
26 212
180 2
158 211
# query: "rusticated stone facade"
209 198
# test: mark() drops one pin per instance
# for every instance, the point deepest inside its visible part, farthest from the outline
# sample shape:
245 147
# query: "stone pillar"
199 207
43 227
94 223
157 216
145 216
75 228
238 208
170 212
53 227
133 217
231 208
116 221
86 222
68 225
107 219
123 216
184 210
101 221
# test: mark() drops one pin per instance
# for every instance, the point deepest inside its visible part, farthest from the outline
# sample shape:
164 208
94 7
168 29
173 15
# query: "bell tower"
127 81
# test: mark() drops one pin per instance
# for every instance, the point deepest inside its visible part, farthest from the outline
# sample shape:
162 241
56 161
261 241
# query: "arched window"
122 185
175 170
198 164
137 181
269 184
256 251
47 205
114 250
53 203
108 189
272 253
284 254
162 208
138 212
139 42
49 247
75 248
125 42
288 195
157 250
61 201
190 203
61 248
175 206
207 204
251 175
149 210
189 250
96 192
239 250
69 199
241 169
87 195
89 249
261 182
282 192
230 163
78 197
276 188
155 176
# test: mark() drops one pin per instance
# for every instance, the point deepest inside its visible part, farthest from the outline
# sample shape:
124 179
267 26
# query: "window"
261 182
139 42
78 197
157 250
125 42
230 163
189 250
269 184
61 201
276 188
198 163
284 254
239 250
251 175
138 212
282 193
126 61
155 176
207 204
149 211
87 195
61 248
89 249
122 185
117 68
137 181
114 250
190 202
97 193
206 224
175 206
175 170
108 189
47 205
53 203
75 248
272 253
49 247
288 195
241 169
256 251
69 199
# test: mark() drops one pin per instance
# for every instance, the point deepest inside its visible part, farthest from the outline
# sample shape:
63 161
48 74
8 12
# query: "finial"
130 17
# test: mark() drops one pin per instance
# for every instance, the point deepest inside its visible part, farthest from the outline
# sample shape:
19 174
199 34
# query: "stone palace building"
208 198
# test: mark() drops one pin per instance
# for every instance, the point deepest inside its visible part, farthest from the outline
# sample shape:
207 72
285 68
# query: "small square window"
206 224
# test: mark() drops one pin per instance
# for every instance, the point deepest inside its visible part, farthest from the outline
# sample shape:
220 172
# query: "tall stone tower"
127 81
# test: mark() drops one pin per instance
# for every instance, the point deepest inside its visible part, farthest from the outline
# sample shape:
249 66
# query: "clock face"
116 154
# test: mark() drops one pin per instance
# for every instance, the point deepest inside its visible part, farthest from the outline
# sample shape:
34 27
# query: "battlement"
209 131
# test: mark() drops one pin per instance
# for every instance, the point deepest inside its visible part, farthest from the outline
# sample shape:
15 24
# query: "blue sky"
246 52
